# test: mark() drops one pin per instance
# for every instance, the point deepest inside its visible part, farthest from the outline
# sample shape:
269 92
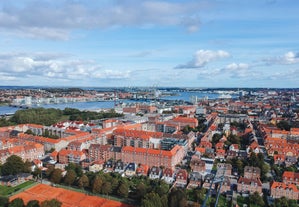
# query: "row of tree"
15 165
202 126
51 116
142 190
255 160
18 202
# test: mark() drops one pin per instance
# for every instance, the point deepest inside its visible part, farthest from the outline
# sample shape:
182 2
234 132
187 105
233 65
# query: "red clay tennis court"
68 198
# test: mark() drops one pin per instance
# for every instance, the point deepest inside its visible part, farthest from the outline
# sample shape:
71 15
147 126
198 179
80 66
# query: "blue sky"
125 43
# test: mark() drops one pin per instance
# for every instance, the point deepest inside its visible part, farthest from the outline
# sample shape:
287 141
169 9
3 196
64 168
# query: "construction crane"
215 180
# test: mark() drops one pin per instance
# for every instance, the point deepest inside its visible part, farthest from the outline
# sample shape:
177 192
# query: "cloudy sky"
125 43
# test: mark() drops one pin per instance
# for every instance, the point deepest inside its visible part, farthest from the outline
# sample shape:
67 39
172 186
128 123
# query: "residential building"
289 177
181 178
252 172
247 186
70 156
153 157
290 191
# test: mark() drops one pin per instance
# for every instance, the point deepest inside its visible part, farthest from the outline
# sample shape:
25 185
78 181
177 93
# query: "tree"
200 195
140 191
216 137
33 203
123 189
284 125
292 203
161 188
17 202
83 181
37 173
29 131
164 200
151 200
177 198
51 203
70 177
239 165
281 202
256 199
49 171
97 184
56 176
75 167
13 165
106 188
3 201
27 166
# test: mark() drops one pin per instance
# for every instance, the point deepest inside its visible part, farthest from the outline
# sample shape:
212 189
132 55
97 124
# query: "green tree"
256 199
83 181
56 176
70 177
33 203
106 188
164 200
97 184
123 189
27 166
216 137
200 195
177 198
51 203
284 125
151 200
37 116
75 167
29 131
293 203
17 202
234 139
13 165
281 202
37 173
3 201
49 171
140 191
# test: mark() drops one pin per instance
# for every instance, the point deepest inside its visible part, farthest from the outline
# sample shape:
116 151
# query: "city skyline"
150 43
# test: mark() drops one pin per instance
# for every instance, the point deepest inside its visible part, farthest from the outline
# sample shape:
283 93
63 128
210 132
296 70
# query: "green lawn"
5 191
222 202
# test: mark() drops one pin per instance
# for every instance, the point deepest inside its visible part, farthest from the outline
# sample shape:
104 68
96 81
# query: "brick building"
99 152
153 157
70 156
249 185
289 177
289 191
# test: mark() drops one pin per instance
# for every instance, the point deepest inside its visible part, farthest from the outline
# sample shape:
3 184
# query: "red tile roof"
284 186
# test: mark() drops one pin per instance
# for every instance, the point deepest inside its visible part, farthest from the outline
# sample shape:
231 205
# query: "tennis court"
68 198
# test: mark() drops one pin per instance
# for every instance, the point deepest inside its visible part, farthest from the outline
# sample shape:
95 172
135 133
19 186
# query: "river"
185 96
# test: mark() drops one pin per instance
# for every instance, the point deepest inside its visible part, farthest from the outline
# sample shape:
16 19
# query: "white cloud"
112 74
231 71
288 58
203 57
43 66
57 18
6 77
290 75
236 67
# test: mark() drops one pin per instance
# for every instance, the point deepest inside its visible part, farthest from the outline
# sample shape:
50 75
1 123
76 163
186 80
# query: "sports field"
68 198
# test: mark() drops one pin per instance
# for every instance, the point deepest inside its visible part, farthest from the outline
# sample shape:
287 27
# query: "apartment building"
153 157
289 191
